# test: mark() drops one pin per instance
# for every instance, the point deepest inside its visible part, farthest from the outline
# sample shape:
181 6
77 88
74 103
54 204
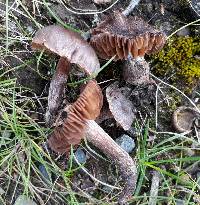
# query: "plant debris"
120 106
184 118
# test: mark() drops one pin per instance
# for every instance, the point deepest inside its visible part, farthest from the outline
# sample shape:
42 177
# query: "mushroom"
127 38
120 35
86 107
80 122
72 48
184 117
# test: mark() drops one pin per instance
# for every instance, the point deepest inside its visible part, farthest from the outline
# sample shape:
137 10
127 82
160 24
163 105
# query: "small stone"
126 143
107 189
189 152
180 202
1 191
80 156
44 172
23 200
183 32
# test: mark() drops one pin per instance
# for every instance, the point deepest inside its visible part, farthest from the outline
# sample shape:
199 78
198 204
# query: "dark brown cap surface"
120 35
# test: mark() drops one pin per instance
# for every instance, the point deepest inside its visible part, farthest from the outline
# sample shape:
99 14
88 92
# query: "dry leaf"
120 106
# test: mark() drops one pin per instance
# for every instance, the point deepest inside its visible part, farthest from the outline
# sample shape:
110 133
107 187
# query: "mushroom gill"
120 35
72 130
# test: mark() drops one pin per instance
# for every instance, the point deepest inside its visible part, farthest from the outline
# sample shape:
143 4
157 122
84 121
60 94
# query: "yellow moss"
180 54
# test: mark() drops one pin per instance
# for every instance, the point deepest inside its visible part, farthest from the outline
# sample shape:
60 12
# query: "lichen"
180 57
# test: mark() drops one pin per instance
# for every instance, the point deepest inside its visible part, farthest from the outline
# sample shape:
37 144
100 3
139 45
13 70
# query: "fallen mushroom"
78 123
72 48
183 118
71 131
120 107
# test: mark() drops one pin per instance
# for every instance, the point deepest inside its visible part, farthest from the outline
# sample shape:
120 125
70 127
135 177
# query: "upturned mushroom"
121 36
127 38
72 48
72 130
80 123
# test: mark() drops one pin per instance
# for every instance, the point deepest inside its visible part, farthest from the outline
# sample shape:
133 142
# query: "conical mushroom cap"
120 35
68 44
86 107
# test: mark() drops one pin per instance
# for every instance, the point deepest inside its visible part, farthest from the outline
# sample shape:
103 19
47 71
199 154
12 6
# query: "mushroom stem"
56 90
136 71
131 6
99 138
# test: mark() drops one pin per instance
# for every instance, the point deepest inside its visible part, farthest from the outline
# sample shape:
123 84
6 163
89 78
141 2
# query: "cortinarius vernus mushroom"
78 123
72 48
120 35
183 118
86 107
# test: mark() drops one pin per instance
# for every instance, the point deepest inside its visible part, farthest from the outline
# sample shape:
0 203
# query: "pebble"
180 202
126 143
23 200
2 191
80 156
107 189
43 171
183 32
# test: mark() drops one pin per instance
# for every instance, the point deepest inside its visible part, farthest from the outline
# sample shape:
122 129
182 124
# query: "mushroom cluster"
79 122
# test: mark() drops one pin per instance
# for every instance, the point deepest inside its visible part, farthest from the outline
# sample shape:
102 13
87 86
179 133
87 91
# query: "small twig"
92 177
131 6
154 188
191 23
173 87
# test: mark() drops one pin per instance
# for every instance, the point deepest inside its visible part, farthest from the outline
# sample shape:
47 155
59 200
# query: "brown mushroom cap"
183 118
87 107
120 35
68 44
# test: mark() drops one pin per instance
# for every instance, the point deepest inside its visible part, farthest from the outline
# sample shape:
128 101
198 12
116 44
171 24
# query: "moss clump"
181 55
